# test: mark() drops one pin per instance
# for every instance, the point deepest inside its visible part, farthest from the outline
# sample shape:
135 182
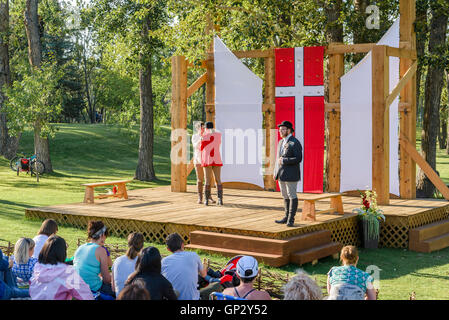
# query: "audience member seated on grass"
125 265
302 287
347 282
181 268
48 228
55 280
8 285
247 271
92 259
135 291
23 261
148 273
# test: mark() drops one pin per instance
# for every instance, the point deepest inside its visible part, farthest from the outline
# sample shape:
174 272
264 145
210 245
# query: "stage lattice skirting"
157 212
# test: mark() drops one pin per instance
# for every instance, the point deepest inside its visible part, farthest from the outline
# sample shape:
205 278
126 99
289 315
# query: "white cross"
299 91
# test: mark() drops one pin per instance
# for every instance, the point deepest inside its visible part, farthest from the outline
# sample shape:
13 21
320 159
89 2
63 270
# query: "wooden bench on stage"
121 190
309 211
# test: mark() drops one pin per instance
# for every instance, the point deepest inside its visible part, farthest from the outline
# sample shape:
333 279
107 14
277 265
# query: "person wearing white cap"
247 271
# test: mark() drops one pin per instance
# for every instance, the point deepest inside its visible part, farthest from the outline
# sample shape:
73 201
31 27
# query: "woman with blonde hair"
125 265
347 282
24 262
302 287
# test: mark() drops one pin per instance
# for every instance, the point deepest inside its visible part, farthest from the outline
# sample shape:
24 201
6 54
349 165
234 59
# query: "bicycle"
32 165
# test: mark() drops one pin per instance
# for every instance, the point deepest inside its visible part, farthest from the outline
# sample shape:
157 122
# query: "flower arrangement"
370 213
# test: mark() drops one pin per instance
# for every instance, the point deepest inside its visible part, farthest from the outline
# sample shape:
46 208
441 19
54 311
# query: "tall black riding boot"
220 194
286 207
293 209
206 195
199 186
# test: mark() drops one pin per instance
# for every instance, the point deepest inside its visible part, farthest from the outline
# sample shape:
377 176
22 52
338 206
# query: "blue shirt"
24 271
349 275
88 267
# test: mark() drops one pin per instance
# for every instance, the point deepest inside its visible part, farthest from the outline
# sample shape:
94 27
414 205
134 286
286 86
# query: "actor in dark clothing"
148 272
287 170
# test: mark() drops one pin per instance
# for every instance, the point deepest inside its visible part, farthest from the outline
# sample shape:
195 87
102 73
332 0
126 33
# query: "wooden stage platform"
157 212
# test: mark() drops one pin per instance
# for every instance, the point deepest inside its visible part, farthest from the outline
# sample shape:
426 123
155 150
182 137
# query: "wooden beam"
333 121
402 53
331 106
196 85
258 53
269 109
338 48
407 124
178 112
422 163
190 167
401 84
380 125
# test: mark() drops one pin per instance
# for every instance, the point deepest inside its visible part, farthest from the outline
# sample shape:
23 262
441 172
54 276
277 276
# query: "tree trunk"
447 140
360 32
421 37
41 145
8 144
145 169
433 88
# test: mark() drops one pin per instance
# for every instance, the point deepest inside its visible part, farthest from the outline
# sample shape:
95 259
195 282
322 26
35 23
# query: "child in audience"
125 265
55 280
48 228
8 285
148 272
302 287
92 259
23 260
134 291
247 271
347 282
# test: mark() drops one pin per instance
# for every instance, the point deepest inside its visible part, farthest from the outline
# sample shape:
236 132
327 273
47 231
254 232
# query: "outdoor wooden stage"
157 212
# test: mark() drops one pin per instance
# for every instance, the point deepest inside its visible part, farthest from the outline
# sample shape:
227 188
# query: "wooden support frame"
382 98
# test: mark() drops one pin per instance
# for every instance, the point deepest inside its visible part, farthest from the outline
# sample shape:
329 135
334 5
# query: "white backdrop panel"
238 116
356 122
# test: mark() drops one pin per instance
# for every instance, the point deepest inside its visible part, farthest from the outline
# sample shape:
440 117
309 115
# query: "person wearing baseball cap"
287 170
247 270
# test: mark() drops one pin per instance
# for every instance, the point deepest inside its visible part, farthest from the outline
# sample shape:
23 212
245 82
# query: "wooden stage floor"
158 212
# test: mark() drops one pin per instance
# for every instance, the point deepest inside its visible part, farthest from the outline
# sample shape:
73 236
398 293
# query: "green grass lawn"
89 153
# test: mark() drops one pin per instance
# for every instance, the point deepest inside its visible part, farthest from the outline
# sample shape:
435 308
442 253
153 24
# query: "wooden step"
318 252
430 245
263 245
429 231
274 260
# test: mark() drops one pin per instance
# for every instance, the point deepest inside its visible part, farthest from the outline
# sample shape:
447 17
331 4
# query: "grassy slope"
82 153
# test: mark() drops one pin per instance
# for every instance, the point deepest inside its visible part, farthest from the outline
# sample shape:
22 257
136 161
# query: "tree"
433 88
136 23
8 144
41 145
32 101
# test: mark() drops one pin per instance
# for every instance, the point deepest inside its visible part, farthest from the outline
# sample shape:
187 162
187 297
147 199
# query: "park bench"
309 211
121 190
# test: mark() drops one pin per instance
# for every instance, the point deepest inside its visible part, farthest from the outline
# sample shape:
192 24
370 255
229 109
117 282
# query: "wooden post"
179 125
270 122
333 117
380 125
407 36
